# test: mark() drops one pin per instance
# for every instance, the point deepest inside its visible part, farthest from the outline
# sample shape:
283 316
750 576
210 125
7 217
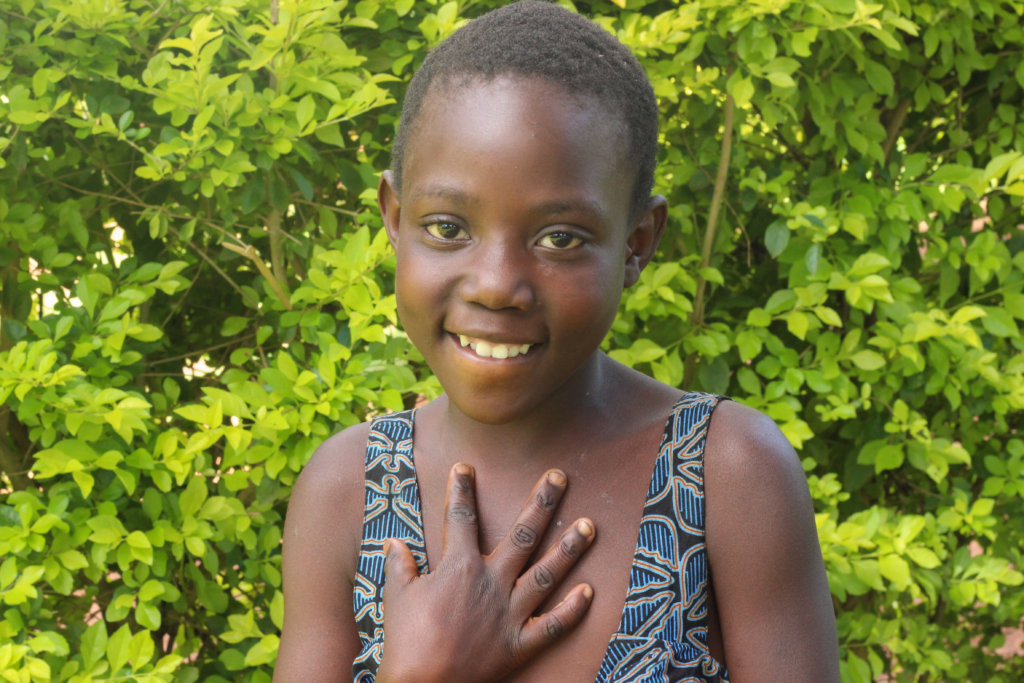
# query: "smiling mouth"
488 349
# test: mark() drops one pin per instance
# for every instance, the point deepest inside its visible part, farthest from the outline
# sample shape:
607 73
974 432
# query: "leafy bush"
195 291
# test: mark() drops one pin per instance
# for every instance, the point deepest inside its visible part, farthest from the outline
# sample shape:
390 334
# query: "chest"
607 484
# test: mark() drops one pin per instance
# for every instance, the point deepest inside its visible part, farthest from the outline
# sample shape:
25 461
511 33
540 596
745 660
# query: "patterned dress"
662 635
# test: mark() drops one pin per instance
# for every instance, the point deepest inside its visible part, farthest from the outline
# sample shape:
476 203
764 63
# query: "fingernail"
588 592
585 527
463 469
556 478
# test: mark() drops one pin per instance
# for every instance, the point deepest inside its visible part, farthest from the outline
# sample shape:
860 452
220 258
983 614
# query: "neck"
552 434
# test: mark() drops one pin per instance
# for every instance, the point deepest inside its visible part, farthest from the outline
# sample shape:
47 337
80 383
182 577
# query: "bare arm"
768 576
322 534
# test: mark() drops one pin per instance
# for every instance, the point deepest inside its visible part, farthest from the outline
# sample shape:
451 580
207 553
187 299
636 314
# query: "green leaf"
796 323
811 258
867 360
895 569
779 301
233 325
148 616
879 77
776 238
828 316
999 322
749 344
72 559
118 647
193 496
758 317
304 111
783 80
141 648
90 288
93 644
924 557
742 90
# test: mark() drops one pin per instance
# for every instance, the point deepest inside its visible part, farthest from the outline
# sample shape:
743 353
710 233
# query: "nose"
499 277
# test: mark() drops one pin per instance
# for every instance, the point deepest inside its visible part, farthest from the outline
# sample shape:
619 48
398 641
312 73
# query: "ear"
387 202
644 238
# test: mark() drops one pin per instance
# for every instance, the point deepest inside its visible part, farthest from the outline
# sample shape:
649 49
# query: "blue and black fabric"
662 635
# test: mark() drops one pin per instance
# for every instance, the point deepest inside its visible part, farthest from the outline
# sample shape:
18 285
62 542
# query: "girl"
658 542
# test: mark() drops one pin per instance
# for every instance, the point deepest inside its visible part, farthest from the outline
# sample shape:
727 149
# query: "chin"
489 410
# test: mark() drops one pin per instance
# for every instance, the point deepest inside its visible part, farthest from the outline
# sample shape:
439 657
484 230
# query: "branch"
892 132
249 252
12 463
697 319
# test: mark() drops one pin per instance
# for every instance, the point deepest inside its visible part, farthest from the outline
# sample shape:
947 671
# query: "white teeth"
487 349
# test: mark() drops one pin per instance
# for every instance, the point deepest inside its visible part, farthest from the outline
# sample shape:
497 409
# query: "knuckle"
543 578
463 486
483 587
461 514
553 627
523 537
514 646
545 499
569 548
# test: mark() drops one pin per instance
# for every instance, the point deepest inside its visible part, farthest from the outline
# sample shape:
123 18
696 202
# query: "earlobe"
387 202
644 238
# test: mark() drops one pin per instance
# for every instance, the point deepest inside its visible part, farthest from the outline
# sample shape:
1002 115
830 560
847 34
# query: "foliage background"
195 291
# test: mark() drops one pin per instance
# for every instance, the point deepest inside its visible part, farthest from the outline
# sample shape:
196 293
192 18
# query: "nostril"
498 290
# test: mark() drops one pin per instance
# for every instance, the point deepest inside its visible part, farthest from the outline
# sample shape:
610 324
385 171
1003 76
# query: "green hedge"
195 291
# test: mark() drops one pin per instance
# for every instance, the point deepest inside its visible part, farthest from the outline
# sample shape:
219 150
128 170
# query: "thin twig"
697 318
249 252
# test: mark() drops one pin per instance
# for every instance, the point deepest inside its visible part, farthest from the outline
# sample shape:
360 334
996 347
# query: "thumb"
399 564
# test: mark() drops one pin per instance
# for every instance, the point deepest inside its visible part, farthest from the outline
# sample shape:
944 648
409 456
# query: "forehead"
525 133
520 108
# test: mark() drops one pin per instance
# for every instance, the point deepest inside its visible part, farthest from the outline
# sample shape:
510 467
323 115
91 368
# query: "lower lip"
473 354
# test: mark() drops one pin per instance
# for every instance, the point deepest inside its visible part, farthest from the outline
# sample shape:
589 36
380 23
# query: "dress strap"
663 631
392 510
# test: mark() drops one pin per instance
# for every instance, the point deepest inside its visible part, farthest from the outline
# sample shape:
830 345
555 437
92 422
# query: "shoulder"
327 500
768 577
322 535
336 469
743 446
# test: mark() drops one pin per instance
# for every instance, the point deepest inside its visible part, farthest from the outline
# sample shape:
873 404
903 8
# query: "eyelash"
434 230
431 229
575 241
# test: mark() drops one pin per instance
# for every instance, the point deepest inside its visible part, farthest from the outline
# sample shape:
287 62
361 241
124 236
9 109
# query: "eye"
560 240
445 230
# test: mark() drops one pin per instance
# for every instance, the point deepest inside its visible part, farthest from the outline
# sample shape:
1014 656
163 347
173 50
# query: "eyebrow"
444 192
561 206
553 207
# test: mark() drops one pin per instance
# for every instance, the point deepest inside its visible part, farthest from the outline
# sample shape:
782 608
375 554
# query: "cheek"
590 301
411 292
422 287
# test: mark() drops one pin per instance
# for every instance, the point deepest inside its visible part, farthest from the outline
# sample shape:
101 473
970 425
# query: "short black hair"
540 39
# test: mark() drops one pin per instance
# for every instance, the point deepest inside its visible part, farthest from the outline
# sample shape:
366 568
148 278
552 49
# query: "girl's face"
514 241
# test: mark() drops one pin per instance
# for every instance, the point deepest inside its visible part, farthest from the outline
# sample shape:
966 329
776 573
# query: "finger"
515 549
539 580
399 564
543 630
460 518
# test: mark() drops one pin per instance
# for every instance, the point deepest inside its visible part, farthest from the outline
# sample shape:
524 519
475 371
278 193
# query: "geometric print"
662 635
392 511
